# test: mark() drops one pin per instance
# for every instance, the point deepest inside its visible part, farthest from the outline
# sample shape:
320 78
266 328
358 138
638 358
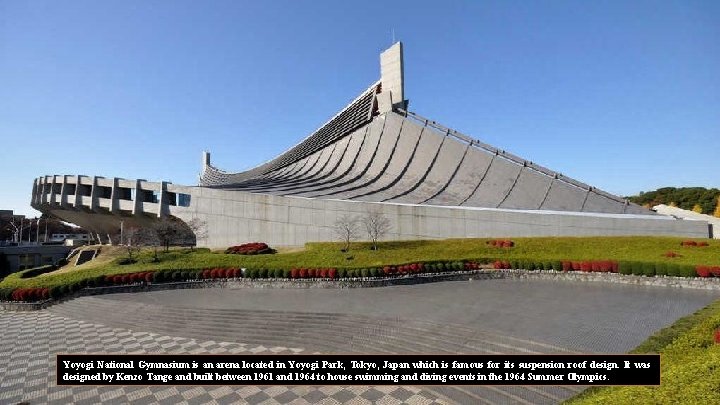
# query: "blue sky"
624 96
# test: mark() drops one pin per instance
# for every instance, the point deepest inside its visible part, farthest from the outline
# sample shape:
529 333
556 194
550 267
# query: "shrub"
671 254
702 271
673 270
255 248
500 243
5 294
332 273
660 269
625 267
716 336
123 261
687 270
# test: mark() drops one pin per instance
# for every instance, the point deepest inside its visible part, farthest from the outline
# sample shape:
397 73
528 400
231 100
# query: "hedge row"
160 276
37 271
650 269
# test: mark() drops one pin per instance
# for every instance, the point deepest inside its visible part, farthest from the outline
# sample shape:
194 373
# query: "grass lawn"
650 249
689 366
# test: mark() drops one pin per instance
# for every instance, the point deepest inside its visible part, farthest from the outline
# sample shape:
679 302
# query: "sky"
624 96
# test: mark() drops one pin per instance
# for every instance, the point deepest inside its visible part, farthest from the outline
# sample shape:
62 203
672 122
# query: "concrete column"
392 75
115 197
78 200
33 197
52 191
137 204
41 189
163 205
93 194
64 191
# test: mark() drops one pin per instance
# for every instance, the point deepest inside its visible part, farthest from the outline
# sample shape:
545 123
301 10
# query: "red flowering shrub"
671 254
601 266
500 264
707 271
500 243
716 336
255 248
332 273
303 273
30 294
703 244
148 277
312 273
688 243
702 271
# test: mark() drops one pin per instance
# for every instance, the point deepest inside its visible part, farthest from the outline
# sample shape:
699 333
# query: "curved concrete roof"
377 151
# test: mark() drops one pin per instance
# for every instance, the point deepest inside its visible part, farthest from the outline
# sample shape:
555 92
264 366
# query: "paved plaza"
482 316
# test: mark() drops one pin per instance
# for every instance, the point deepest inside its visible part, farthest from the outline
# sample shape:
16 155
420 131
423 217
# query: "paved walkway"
491 316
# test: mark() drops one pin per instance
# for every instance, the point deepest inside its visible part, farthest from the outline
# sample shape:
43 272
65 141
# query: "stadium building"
373 156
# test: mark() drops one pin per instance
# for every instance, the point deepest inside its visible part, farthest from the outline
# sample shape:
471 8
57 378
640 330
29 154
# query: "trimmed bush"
37 271
687 270
255 248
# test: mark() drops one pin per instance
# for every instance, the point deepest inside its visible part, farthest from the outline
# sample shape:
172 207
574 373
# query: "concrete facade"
429 180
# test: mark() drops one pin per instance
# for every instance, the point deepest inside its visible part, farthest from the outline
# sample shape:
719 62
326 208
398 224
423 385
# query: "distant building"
62 237
430 181
29 256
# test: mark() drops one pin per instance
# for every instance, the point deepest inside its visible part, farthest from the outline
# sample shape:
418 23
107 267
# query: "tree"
199 228
149 237
697 208
377 225
167 232
346 229
134 240
717 209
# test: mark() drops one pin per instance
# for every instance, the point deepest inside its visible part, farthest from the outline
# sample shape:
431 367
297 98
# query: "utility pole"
37 232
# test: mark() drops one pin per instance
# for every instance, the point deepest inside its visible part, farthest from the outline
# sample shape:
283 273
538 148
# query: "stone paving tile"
30 340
